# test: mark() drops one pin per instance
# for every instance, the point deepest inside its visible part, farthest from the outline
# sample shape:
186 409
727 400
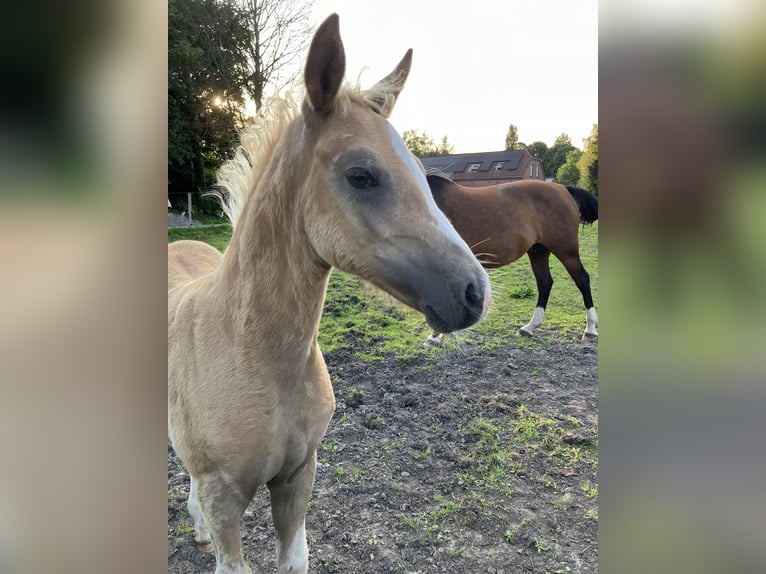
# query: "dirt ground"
472 461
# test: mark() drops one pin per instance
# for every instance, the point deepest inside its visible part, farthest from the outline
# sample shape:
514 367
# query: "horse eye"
360 178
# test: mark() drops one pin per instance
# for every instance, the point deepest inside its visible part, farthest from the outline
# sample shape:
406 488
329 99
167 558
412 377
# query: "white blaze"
409 160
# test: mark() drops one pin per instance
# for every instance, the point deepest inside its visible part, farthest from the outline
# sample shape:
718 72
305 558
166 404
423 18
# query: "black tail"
587 202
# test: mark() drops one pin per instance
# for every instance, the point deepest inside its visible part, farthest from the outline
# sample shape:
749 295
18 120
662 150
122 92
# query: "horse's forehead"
361 124
355 129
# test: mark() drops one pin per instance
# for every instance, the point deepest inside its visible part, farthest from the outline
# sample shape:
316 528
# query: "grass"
438 521
216 235
356 312
527 441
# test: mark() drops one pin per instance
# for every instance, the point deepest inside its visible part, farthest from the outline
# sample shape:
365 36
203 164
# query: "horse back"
541 201
189 260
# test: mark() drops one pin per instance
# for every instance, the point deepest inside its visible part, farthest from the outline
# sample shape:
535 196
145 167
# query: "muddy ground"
471 461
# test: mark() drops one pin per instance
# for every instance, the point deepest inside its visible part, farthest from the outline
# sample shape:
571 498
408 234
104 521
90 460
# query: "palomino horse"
249 396
502 222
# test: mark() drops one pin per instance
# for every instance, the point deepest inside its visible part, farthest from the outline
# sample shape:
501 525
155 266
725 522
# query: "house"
487 168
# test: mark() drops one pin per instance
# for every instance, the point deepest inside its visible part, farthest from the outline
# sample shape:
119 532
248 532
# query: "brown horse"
249 396
502 222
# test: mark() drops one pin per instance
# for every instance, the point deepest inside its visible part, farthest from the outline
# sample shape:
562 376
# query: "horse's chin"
436 323
441 326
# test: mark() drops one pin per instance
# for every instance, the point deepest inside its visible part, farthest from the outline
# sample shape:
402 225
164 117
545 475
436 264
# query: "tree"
537 149
219 53
279 34
556 156
569 172
512 139
207 69
422 145
588 163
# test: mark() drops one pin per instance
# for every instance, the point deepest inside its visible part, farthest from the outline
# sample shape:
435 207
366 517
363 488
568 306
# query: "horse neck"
272 279
452 199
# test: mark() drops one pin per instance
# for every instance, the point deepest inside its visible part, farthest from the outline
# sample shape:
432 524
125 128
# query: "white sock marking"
296 559
590 329
536 321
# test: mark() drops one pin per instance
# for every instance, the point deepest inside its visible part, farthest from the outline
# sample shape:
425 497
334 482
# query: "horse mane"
435 176
238 178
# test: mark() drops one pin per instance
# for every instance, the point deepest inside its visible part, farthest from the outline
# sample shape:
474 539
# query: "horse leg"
580 276
289 501
538 258
222 507
201 533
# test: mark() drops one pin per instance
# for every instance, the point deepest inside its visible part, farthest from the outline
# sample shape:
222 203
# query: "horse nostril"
473 297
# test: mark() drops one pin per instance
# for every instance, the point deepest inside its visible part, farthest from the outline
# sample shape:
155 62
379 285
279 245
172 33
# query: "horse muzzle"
451 298
458 306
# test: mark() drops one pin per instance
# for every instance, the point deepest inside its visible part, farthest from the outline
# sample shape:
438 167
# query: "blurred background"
83 181
682 109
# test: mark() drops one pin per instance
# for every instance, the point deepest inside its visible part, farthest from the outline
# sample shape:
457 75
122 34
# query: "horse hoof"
589 336
524 333
438 341
206 546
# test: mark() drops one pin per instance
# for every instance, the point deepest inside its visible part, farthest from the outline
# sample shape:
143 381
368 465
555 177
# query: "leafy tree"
537 149
207 68
556 156
569 172
512 139
562 139
588 163
444 147
219 53
422 145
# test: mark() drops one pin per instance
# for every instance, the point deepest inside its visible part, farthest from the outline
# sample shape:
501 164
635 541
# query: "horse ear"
325 66
383 94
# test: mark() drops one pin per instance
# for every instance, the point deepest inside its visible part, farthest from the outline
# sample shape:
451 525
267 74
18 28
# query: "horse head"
367 206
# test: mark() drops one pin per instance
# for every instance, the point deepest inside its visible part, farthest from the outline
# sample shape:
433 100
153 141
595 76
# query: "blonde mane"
238 178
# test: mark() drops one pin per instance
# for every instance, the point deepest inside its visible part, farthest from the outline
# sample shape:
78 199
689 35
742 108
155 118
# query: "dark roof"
451 164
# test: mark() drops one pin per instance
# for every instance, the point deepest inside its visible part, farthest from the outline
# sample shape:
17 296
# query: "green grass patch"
502 447
438 520
216 235
357 312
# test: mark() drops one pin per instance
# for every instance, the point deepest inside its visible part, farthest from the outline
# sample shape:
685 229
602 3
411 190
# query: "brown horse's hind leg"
580 276
222 507
289 500
538 258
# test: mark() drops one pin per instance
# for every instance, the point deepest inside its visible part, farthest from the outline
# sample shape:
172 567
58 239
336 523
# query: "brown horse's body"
503 222
249 396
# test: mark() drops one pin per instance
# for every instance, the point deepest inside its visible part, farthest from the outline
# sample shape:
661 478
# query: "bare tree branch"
280 31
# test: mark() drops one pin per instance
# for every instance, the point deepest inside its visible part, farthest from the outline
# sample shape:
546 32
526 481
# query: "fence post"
190 208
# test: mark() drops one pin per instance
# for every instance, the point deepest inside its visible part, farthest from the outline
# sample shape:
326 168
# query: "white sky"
479 65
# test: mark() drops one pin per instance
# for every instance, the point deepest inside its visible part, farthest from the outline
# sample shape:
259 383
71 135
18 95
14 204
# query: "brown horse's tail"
587 202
